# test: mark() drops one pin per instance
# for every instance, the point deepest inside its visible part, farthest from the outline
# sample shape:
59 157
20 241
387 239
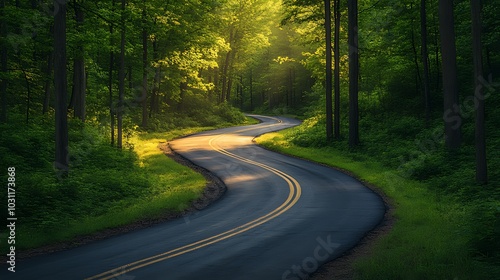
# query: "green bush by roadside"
447 226
105 188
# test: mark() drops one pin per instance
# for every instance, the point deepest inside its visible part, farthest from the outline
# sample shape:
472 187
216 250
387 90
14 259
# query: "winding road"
281 218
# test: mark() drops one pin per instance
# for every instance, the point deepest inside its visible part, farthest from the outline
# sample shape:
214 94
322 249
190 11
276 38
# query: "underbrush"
105 187
198 114
447 226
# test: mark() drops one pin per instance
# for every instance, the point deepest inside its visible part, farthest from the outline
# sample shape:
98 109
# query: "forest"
406 87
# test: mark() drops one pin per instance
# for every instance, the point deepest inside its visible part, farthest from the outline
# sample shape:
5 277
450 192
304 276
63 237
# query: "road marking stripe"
293 197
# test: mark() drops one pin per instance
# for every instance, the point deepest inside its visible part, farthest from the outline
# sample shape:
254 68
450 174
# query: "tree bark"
353 73
336 73
425 61
121 78
452 118
328 81
61 130
480 134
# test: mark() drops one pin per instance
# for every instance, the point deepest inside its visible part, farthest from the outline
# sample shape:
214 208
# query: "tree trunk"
216 81
48 83
121 78
144 96
436 52
79 76
488 59
3 59
294 87
225 69
183 86
452 118
481 167
425 61
328 82
353 73
130 79
251 89
240 85
290 87
157 80
229 75
228 91
418 80
110 81
153 100
61 130
28 99
224 77
336 73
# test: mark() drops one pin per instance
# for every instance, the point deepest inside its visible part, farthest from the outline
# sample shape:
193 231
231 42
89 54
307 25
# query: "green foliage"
310 133
204 56
435 194
199 113
439 233
105 187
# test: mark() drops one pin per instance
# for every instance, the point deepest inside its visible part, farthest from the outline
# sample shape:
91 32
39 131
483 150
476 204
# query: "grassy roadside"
106 188
430 237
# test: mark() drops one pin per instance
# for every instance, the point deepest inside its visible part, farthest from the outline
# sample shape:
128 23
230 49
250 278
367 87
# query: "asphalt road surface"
281 218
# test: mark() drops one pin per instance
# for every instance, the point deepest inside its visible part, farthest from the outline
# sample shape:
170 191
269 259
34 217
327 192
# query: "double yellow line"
293 197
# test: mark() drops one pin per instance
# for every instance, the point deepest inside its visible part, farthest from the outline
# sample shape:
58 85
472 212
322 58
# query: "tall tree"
425 60
111 78
79 76
154 99
61 129
251 89
3 62
48 82
336 73
452 118
328 85
245 28
481 165
353 73
121 78
144 95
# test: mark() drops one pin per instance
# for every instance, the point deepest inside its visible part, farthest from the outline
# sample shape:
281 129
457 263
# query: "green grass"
430 238
106 188
168 188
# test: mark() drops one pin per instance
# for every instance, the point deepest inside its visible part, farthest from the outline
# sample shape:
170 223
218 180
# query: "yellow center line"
293 197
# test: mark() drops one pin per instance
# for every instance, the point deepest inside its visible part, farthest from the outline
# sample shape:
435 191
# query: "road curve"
281 218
